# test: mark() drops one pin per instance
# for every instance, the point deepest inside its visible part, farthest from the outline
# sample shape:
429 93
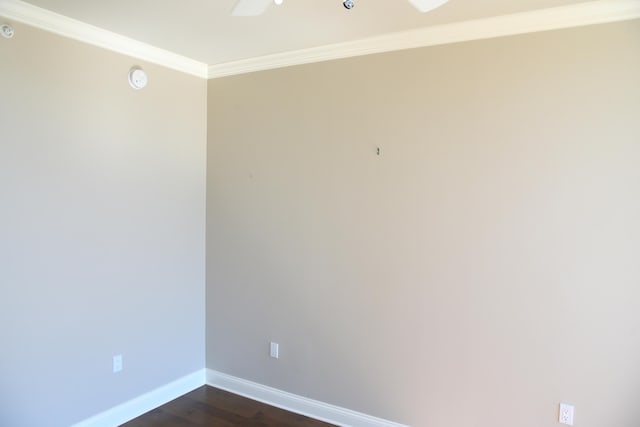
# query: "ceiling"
202 38
204 30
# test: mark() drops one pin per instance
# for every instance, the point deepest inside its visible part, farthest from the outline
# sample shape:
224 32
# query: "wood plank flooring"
212 407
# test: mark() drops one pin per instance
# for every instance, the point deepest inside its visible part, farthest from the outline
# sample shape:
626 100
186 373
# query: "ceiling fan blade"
250 7
427 5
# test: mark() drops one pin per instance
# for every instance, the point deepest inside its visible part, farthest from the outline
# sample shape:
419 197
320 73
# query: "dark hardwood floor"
212 407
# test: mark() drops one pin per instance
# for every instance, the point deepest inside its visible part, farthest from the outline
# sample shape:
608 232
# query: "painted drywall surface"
480 270
102 193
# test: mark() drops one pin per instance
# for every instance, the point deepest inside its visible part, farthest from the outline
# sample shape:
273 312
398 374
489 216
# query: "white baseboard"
301 405
135 407
281 399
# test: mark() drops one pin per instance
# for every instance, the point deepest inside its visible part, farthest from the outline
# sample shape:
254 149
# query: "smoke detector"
137 78
7 31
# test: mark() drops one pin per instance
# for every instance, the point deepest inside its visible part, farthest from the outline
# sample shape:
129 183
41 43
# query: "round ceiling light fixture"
278 2
7 31
137 78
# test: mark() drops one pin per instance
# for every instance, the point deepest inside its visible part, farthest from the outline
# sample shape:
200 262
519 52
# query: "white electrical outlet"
274 350
566 414
117 363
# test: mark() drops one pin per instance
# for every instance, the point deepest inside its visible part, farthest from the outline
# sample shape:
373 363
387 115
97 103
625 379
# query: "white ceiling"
205 31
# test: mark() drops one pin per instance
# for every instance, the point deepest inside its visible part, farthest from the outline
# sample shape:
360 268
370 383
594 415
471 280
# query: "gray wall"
102 217
479 271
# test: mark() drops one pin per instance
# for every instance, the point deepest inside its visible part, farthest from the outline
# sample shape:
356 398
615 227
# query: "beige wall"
479 271
102 216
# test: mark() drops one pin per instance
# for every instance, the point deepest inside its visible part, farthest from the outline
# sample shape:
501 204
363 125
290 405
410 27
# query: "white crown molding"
576 15
140 405
291 402
49 21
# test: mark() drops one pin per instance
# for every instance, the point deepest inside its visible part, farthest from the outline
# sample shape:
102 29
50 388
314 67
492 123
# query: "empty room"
367 213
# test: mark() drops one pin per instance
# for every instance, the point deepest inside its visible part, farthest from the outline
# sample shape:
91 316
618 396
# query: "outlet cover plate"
566 414
274 350
117 363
